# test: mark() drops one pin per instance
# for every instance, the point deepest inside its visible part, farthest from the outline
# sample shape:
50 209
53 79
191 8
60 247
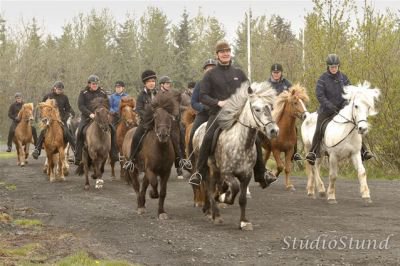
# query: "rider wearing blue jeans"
329 94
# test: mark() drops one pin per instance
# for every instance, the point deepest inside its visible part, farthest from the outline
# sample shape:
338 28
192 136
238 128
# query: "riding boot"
261 175
39 144
34 135
365 153
70 138
114 148
135 146
11 136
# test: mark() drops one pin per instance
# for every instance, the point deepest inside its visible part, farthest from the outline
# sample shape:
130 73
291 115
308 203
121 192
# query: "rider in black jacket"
217 86
65 110
329 93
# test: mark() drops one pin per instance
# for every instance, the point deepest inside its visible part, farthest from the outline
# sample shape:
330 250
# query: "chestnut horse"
97 143
23 133
289 106
198 191
157 155
54 144
126 122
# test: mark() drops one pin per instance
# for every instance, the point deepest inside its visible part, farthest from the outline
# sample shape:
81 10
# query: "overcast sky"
52 15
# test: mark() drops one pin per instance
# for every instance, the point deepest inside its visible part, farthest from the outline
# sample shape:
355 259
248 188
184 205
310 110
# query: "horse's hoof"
62 178
367 201
322 194
332 201
66 173
22 164
153 194
246 226
222 205
163 216
290 188
311 195
141 211
26 162
87 187
218 221
52 180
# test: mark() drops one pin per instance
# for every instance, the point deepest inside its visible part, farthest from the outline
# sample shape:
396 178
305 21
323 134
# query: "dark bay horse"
157 154
288 106
54 144
231 166
126 122
97 143
23 133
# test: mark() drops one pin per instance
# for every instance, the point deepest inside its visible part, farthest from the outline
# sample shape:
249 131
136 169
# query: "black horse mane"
169 101
98 103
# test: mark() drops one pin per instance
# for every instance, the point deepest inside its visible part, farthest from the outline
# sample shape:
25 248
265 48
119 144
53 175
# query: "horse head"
261 97
361 100
162 124
26 112
297 99
48 111
101 119
126 109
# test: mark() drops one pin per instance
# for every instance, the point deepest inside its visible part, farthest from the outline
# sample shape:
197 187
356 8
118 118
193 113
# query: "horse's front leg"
112 164
279 163
288 169
61 159
362 178
26 150
162 215
244 223
317 178
333 170
142 195
153 193
51 165
211 195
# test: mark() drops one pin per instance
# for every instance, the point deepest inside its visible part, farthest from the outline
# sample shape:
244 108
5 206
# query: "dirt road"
289 228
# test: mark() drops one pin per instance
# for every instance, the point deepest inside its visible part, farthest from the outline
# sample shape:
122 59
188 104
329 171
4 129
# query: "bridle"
156 125
259 123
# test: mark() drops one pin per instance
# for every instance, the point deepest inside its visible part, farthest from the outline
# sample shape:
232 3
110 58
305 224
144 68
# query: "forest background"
94 43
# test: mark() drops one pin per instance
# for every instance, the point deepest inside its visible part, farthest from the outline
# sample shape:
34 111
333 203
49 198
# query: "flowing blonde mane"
28 106
54 114
295 93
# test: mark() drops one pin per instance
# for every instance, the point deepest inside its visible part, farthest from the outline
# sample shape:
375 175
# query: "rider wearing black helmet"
65 110
329 93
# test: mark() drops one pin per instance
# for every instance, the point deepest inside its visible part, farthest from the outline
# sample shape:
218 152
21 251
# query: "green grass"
8 155
23 251
28 223
82 259
11 187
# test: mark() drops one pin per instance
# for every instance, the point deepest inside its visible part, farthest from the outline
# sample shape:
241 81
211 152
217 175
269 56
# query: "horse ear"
250 90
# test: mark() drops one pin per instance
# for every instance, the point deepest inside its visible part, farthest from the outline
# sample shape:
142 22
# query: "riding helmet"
222 46
165 79
58 85
18 95
119 83
93 78
332 59
276 67
209 62
148 74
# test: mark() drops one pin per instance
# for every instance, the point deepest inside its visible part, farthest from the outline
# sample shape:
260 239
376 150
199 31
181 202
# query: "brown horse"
23 133
54 144
198 191
126 122
288 106
157 155
97 143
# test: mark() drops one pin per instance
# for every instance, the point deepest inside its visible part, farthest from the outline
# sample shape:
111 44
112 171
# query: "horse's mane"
25 106
169 101
99 102
188 116
127 101
295 92
365 92
234 105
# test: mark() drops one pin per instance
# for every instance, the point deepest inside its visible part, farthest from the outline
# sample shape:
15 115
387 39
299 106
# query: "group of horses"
253 111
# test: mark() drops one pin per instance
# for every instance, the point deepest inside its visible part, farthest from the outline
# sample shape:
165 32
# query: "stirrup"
185 164
129 166
196 176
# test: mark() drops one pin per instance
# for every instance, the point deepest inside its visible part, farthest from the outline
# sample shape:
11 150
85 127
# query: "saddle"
324 124
217 132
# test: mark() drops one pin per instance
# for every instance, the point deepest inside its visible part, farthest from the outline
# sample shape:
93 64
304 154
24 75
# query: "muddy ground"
106 225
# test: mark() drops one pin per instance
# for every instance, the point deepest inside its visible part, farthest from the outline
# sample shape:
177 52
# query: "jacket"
115 100
63 104
280 85
85 98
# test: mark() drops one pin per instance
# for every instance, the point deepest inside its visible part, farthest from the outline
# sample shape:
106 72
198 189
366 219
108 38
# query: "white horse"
342 139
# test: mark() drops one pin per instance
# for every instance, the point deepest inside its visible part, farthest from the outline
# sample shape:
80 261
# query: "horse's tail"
188 116
80 170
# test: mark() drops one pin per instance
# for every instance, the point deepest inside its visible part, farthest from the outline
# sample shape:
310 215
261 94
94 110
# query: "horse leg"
112 164
333 163
214 206
98 171
153 193
162 215
26 150
134 177
51 166
142 195
279 163
288 168
61 158
362 178
207 203
317 179
244 223
20 150
86 169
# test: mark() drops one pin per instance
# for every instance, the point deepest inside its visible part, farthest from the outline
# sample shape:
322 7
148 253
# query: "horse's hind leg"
112 164
162 215
214 206
61 158
26 150
142 195
288 168
244 223
362 178
51 166
333 164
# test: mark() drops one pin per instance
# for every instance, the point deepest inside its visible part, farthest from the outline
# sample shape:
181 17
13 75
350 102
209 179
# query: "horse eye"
257 110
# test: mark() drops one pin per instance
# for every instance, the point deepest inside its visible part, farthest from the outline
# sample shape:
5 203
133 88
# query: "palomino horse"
23 133
126 122
198 191
54 144
97 143
157 154
342 139
288 106
231 166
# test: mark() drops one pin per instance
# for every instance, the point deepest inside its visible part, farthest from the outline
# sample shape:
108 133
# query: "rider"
13 111
280 84
90 92
115 100
201 109
329 92
65 110
217 86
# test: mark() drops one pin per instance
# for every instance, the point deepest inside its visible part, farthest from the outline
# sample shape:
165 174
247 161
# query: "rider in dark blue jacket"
329 93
